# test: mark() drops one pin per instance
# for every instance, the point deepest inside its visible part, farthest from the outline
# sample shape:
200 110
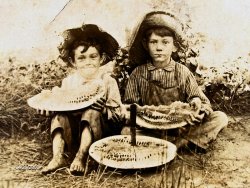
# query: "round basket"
117 152
68 100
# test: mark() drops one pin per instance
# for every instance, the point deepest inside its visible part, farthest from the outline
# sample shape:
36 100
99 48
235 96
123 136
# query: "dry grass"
17 84
22 160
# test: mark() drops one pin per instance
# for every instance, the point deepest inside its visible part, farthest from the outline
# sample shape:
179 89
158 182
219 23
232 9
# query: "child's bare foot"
57 161
77 166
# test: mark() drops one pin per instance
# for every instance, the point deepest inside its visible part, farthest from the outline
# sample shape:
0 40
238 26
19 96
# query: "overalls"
159 95
201 134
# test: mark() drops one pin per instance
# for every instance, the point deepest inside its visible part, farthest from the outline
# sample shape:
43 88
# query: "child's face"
160 48
87 62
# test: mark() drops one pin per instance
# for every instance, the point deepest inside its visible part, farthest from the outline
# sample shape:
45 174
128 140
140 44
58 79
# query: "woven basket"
68 100
117 152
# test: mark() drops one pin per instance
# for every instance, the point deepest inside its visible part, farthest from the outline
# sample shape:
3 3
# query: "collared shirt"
137 85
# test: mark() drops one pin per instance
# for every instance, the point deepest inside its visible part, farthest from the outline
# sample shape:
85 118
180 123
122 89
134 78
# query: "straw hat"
117 152
68 100
88 32
138 54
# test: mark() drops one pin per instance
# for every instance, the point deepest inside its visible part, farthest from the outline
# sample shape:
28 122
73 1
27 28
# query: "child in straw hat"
85 49
160 80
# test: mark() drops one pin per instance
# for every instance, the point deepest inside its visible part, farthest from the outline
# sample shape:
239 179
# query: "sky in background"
30 29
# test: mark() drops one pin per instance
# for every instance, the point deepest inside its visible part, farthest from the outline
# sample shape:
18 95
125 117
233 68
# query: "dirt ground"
226 164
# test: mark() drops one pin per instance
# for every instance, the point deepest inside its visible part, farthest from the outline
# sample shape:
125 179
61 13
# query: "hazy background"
30 29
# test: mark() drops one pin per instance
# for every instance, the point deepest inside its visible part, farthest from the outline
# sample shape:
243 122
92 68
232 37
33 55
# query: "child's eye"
81 58
153 42
94 56
165 42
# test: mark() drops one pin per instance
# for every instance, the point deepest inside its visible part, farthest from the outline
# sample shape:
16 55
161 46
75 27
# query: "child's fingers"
193 119
116 118
207 110
198 117
189 121
44 112
48 113
97 107
100 101
99 104
39 111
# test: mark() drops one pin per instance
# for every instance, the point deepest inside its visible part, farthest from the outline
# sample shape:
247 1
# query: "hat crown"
137 52
87 32
162 19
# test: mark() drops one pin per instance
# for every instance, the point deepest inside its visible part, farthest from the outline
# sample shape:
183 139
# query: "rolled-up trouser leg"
206 132
93 119
61 121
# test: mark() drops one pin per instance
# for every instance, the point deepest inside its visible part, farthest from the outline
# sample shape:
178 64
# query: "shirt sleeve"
193 90
113 98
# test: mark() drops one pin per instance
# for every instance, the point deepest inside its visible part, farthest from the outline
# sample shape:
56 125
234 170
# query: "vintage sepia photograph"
125 93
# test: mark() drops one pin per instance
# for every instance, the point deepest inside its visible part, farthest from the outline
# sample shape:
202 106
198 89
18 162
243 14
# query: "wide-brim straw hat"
59 99
137 53
87 32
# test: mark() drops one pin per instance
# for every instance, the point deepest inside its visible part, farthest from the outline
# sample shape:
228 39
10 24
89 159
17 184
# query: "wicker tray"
117 152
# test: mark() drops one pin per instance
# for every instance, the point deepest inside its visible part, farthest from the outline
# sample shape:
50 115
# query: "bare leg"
79 161
58 159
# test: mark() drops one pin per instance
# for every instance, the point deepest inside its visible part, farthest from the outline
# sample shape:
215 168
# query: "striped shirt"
137 85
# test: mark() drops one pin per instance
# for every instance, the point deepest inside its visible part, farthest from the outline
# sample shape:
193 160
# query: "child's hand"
99 105
205 108
125 114
196 103
194 118
45 112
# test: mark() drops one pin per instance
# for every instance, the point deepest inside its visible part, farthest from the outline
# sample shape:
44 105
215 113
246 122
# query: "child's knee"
60 120
91 115
220 118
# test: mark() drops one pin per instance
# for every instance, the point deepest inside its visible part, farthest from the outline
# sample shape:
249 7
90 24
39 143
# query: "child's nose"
88 62
158 47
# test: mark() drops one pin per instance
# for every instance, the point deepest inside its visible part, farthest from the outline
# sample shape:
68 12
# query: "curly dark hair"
86 44
87 35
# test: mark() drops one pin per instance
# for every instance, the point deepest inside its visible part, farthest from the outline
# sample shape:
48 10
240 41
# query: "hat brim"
108 43
137 53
